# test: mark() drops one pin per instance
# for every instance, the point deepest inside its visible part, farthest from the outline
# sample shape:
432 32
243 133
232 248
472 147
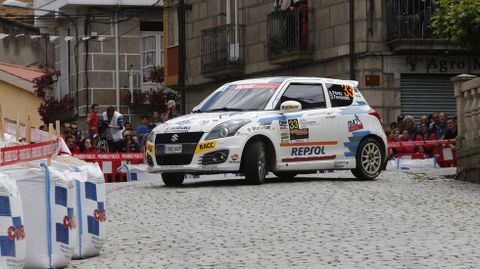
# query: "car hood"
202 122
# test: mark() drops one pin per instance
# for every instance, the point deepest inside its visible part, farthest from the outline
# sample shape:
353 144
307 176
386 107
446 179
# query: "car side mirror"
290 106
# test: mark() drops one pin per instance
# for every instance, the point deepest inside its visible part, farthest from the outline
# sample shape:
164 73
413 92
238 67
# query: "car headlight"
226 129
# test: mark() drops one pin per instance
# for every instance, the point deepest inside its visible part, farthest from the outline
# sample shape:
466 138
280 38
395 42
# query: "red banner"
421 143
121 156
18 154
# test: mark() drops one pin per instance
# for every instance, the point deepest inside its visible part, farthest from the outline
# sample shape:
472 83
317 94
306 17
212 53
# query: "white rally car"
286 125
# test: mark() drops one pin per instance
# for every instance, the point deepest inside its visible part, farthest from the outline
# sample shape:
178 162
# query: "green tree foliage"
460 21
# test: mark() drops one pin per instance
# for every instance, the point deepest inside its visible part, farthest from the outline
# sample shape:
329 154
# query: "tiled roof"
22 72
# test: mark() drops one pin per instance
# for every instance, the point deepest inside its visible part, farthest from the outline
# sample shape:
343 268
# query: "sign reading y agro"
432 64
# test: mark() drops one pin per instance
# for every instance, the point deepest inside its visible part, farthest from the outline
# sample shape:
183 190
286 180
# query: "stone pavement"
400 220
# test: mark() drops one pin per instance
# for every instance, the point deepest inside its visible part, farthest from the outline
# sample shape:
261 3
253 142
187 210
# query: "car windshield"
239 97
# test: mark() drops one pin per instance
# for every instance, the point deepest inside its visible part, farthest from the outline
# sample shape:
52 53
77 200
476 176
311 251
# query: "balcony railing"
409 19
287 33
221 48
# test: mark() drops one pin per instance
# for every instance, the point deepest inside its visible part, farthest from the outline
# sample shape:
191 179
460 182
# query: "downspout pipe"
352 40
182 52
117 63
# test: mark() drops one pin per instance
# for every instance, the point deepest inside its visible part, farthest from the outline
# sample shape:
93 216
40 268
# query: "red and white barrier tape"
421 143
18 154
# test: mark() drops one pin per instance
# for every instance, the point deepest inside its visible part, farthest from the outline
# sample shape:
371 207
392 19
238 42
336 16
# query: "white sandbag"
12 232
90 201
48 211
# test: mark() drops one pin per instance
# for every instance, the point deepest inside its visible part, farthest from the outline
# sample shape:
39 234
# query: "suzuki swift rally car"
285 125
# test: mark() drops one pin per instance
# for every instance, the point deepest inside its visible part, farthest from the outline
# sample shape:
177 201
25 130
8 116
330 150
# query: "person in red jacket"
426 135
92 121
405 149
87 146
70 140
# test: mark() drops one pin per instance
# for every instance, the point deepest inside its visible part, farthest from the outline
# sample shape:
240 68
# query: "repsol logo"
308 151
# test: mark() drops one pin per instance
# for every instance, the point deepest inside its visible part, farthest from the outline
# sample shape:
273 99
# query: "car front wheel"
255 162
173 179
369 159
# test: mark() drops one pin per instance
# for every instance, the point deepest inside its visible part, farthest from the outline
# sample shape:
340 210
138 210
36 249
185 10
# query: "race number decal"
295 132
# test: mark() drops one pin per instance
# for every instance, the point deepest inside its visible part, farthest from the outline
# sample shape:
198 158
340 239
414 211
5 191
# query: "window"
172 28
340 95
309 95
152 53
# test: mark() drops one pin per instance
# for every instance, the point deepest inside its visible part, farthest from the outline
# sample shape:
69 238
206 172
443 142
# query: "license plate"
172 149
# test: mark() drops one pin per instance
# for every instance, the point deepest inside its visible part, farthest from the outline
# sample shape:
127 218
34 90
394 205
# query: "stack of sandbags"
49 220
90 202
12 232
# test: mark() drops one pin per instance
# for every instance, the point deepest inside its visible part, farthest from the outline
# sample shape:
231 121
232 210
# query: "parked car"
285 125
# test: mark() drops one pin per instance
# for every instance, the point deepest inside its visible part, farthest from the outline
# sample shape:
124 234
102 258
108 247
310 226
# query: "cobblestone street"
400 220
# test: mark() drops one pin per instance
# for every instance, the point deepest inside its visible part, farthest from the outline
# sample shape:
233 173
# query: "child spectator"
72 146
405 149
87 146
92 121
425 135
143 129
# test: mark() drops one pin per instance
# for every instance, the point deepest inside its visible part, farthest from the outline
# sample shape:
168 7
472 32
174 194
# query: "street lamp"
20 4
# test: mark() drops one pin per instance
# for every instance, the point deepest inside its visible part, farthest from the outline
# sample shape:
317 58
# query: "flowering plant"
44 82
157 74
159 98
50 106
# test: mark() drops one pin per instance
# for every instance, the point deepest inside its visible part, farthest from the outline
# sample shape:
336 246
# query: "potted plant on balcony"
50 108
157 74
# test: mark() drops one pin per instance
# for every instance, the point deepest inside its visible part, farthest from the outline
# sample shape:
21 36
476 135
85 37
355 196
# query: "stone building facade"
387 45
86 52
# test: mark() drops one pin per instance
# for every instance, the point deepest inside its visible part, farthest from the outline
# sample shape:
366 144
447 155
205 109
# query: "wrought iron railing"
221 47
410 18
287 32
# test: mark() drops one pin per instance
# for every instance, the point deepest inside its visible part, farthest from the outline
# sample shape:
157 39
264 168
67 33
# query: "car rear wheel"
369 159
255 162
173 179
285 175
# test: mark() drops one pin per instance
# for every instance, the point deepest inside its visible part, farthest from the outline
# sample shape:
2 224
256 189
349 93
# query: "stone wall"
467 92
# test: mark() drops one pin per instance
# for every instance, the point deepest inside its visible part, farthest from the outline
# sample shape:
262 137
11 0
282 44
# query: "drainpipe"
182 53
117 64
352 40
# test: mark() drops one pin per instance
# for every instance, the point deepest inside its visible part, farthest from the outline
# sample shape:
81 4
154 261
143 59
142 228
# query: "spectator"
67 130
127 141
77 134
156 118
424 119
400 119
72 146
143 129
43 128
135 144
393 126
434 121
170 113
441 128
87 146
92 121
410 127
451 132
425 135
405 149
128 126
115 129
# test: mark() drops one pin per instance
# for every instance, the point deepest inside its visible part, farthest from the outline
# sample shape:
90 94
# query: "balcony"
288 38
222 53
409 27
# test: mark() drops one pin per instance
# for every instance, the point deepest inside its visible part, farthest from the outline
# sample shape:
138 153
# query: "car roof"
281 79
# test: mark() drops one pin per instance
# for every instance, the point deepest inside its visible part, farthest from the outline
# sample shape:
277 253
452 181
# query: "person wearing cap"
114 133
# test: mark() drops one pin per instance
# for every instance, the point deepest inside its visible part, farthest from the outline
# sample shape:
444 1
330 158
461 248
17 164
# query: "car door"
307 137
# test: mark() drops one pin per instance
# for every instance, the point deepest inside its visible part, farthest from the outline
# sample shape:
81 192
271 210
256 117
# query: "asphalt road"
400 220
